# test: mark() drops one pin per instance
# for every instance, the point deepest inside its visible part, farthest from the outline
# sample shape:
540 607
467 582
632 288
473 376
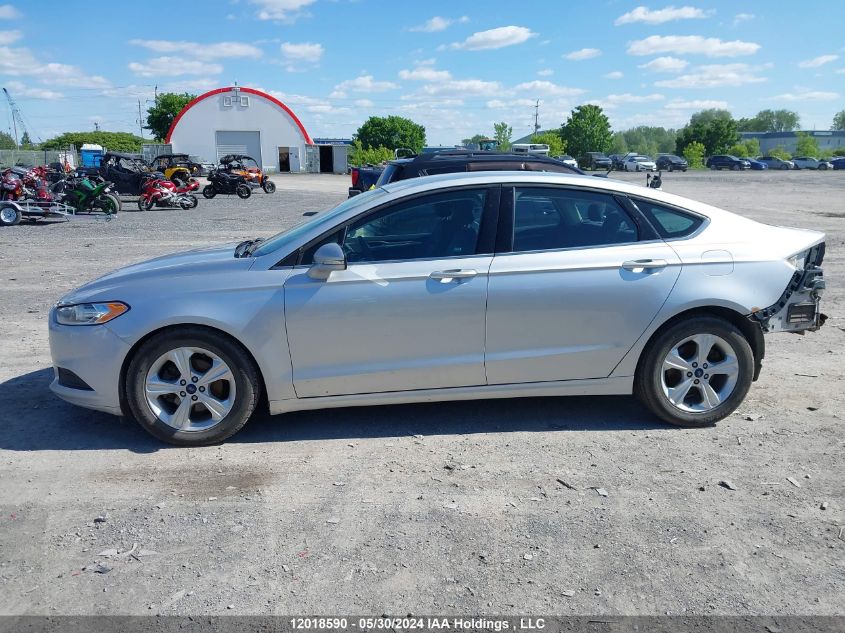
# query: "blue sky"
456 67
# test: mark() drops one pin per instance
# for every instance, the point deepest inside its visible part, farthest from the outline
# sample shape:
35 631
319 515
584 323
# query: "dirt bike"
156 192
221 182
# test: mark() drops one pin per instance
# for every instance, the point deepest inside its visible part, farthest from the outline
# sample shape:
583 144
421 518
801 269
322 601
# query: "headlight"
90 313
798 260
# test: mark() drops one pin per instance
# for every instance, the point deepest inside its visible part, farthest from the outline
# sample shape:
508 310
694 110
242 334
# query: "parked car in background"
446 288
838 163
640 163
454 161
566 159
596 160
808 162
776 163
670 162
726 161
757 165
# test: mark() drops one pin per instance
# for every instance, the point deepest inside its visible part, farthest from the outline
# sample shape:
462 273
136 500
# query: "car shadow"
33 419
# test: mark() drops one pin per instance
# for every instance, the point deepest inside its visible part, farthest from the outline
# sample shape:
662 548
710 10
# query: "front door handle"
644 264
449 275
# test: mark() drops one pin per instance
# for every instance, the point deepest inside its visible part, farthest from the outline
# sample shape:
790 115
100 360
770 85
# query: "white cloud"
582 54
713 76
173 67
425 73
547 88
696 104
20 62
496 104
298 57
20 89
807 95
818 61
364 103
691 45
629 98
437 23
665 65
217 50
660 16
8 12
616 74
495 38
363 83
462 87
739 18
841 71
9 37
202 84
281 10
546 72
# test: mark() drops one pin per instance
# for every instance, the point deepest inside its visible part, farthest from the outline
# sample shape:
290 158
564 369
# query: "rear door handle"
449 275
644 264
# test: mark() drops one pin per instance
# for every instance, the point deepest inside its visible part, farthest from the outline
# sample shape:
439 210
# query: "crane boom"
17 118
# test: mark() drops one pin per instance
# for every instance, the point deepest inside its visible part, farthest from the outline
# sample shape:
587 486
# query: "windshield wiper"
244 248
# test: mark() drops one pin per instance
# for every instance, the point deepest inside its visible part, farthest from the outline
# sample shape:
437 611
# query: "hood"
208 260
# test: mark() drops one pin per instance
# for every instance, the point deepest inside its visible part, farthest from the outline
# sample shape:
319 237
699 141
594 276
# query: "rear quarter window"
669 222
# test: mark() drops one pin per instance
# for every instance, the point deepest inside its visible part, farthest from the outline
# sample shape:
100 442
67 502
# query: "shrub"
694 154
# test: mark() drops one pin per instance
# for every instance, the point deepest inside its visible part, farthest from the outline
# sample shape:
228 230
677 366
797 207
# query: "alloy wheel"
190 389
699 373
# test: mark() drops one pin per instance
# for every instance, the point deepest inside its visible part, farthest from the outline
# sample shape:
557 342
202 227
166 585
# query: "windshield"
290 235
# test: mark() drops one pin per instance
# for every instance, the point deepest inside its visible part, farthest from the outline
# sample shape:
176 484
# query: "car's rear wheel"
735 167
192 387
696 372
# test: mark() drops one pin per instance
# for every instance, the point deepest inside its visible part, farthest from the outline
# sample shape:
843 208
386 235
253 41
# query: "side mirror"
327 258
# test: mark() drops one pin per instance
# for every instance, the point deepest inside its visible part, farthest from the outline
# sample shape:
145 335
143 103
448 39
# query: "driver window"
433 226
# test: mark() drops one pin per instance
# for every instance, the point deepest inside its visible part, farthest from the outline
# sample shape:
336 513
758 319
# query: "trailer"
12 212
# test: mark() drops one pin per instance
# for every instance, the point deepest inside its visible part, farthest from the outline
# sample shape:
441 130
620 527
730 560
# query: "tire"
209 192
243 191
147 363
117 202
145 205
734 167
268 186
107 204
194 201
651 379
713 167
782 167
185 204
671 169
9 216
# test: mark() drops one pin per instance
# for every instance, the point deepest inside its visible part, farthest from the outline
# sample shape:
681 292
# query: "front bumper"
798 308
95 355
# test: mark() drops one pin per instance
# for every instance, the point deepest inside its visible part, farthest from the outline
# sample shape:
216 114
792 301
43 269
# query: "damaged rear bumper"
798 309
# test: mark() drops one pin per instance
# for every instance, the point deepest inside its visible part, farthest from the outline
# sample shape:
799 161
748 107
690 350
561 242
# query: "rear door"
573 288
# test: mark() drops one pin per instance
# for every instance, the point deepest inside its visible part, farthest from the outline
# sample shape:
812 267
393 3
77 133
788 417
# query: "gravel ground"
439 508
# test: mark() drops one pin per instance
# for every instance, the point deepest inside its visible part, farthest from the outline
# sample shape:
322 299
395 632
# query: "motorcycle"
221 182
85 194
163 193
11 186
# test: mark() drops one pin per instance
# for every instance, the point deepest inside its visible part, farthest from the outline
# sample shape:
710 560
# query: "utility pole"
96 126
140 119
537 117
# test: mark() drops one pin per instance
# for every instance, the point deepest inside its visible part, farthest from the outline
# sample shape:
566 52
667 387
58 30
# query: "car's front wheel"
696 372
192 386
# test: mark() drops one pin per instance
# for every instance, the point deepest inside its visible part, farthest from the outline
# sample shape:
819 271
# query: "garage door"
248 143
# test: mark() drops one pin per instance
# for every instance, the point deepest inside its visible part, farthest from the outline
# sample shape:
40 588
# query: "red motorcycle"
11 186
157 192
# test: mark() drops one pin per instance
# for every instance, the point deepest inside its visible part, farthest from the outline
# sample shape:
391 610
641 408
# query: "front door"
284 159
407 313
575 292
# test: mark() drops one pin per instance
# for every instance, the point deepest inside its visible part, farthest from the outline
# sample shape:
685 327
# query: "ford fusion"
451 287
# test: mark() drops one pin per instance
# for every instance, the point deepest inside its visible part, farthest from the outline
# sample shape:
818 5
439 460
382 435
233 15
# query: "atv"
247 166
128 172
178 168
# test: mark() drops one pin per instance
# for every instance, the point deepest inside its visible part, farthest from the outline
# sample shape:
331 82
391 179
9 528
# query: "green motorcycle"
84 194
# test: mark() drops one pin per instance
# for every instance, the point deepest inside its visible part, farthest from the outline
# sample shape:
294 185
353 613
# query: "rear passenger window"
556 218
669 222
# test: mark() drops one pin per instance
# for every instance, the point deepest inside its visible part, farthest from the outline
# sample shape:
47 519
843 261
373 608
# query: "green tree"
715 129
748 148
502 132
473 140
781 153
557 145
586 130
391 132
6 141
115 141
618 145
770 121
26 142
694 154
358 155
161 114
806 145
838 121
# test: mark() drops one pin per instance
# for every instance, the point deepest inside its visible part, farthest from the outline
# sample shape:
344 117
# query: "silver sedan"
464 286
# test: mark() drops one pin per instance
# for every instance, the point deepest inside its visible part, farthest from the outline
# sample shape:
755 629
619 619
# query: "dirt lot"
447 508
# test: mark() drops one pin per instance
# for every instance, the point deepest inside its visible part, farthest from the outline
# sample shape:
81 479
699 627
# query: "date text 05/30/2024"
410 623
